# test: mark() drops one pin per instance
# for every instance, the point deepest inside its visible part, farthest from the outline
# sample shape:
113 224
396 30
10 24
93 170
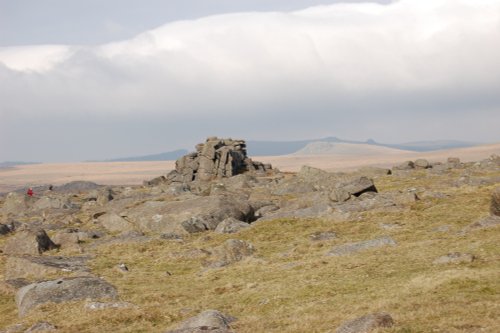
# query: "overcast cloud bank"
411 70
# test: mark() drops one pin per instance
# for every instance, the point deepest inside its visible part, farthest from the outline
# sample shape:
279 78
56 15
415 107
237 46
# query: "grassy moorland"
290 285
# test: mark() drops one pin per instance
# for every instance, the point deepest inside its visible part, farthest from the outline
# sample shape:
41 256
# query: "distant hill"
11 164
274 148
347 149
168 156
433 145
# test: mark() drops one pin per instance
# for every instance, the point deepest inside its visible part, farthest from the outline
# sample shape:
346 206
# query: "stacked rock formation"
215 159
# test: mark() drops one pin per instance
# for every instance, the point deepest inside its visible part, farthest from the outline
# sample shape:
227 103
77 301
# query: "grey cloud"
354 71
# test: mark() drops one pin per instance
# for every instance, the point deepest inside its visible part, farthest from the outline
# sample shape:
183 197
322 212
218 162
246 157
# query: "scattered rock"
67 240
77 187
455 258
487 222
408 165
63 290
122 267
453 161
233 250
114 223
266 210
49 203
371 171
442 228
16 203
230 226
422 164
212 321
30 242
108 305
41 326
389 226
495 202
351 248
367 323
344 190
4 229
323 236
171 236
156 181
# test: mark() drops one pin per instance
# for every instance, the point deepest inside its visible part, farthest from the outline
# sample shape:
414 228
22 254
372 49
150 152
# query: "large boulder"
188 216
495 202
35 268
29 242
354 187
63 290
422 163
230 225
16 203
208 321
215 159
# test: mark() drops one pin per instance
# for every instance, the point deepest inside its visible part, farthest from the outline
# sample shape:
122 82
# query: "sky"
89 80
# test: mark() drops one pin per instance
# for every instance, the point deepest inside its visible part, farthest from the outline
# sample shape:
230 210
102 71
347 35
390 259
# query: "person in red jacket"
30 192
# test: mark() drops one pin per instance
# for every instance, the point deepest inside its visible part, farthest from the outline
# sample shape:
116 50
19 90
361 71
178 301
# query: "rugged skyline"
404 71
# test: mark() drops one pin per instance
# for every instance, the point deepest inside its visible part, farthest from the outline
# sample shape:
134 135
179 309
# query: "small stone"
323 236
495 202
367 323
455 258
122 267
351 248
209 321
42 326
108 305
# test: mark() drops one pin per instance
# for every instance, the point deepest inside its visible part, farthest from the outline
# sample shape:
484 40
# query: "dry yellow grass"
291 286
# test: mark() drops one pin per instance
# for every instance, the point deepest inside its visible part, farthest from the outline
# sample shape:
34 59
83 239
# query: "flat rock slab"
351 248
366 324
63 290
38 267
